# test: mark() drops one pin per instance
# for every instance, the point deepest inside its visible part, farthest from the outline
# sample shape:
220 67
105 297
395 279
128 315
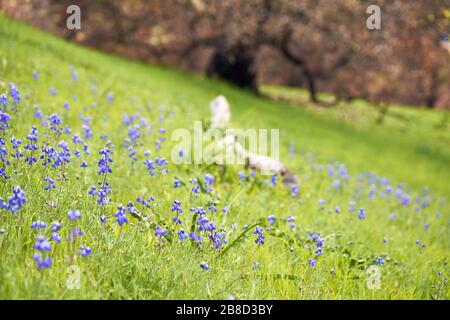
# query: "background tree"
316 44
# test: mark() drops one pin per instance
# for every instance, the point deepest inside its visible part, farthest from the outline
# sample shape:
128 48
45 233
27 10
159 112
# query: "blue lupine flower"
76 139
295 191
361 214
38 225
242 175
198 210
134 134
218 239
176 183
209 182
182 235
132 153
50 185
56 226
37 112
151 167
3 101
2 174
4 120
56 237
162 162
121 215
212 208
312 262
53 92
85 251
15 145
388 189
74 73
87 129
330 171
110 97
195 237
204 266
76 233
271 219
379 261
16 142
274 179
337 210
337 184
45 263
132 209
42 244
196 189
160 232
32 145
343 172
176 206
35 75
351 205
144 202
176 220
74 214
103 162
58 157
86 149
319 241
318 251
102 192
203 224
42 263
103 219
193 180
208 226
260 238
55 123
15 202
15 94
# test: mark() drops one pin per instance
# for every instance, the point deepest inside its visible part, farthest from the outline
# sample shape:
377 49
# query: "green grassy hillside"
368 192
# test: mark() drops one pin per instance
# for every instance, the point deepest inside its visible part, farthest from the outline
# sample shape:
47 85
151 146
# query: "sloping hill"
356 219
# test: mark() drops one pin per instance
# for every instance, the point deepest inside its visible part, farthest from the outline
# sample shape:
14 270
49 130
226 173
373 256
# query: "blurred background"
320 46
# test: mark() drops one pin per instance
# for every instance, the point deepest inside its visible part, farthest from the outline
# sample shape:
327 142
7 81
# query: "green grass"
130 263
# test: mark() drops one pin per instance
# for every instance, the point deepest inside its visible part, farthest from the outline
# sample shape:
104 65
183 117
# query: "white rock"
220 110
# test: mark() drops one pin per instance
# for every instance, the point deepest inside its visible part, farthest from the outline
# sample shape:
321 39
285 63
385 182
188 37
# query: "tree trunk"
430 101
309 77
311 85
234 65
